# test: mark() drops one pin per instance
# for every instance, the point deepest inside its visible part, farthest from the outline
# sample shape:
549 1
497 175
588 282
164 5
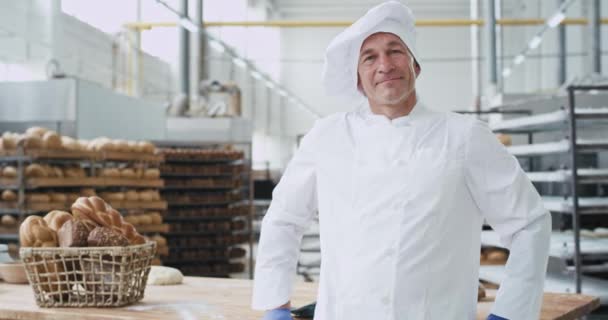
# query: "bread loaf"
8 220
132 195
35 170
106 237
132 235
110 173
36 131
145 219
69 143
113 196
74 172
9 172
9 196
75 233
127 173
29 141
51 140
56 218
156 217
58 197
9 141
152 174
37 198
88 192
146 147
34 232
497 256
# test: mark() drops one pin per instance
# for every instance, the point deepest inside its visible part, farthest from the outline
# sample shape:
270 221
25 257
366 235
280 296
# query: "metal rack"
93 161
570 120
224 208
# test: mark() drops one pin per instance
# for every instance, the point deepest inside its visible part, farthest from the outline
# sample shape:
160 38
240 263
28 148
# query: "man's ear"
359 86
417 68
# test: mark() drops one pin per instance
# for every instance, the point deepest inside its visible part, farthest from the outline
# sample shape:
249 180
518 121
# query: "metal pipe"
184 53
574 189
198 54
475 54
596 44
561 50
491 59
345 23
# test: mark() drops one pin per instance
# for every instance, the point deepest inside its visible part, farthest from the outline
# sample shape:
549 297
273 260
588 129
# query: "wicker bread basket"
88 276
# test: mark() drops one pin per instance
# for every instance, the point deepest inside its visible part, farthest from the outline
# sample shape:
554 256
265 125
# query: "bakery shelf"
132 182
587 205
158 228
563 146
162 250
9 230
205 233
554 282
208 218
584 176
153 205
203 161
203 175
556 120
199 204
206 188
44 154
9 236
562 244
132 157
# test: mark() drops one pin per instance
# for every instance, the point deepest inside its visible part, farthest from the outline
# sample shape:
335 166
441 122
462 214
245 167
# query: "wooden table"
209 298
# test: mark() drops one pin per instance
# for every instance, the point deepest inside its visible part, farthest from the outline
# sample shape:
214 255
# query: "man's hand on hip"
278 314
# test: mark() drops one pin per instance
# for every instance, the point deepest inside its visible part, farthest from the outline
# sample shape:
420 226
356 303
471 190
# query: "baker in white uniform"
402 193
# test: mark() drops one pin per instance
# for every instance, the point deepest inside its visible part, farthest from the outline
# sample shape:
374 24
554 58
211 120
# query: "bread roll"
9 141
132 195
9 172
88 192
156 217
9 195
145 196
30 141
36 131
146 147
51 140
8 220
132 235
127 173
37 198
75 233
74 172
132 146
58 197
56 218
481 292
69 143
134 220
122 145
110 173
34 232
106 237
145 220
497 256
152 174
505 139
113 196
35 170
160 241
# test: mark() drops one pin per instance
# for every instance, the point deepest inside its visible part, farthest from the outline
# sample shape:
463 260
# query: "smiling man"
402 193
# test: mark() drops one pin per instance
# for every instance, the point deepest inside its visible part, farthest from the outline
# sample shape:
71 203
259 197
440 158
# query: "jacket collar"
419 111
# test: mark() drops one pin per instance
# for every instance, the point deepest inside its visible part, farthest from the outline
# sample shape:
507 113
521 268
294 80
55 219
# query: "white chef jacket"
401 204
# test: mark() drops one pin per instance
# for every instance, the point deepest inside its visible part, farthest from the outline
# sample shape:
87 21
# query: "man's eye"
396 51
368 58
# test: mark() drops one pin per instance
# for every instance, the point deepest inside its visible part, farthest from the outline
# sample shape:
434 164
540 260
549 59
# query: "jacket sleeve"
294 202
511 205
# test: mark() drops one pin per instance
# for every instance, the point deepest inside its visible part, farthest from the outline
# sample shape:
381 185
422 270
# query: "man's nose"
385 64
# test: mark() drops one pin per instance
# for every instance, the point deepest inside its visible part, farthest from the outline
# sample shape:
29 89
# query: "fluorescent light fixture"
519 59
269 84
186 23
218 46
556 19
535 42
256 75
283 93
239 62
506 72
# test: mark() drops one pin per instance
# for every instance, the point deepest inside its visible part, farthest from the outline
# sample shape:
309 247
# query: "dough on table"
164 276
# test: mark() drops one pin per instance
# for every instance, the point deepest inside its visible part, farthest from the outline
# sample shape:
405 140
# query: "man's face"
386 71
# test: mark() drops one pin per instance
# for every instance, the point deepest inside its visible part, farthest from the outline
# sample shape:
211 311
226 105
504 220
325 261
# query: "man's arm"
514 209
294 202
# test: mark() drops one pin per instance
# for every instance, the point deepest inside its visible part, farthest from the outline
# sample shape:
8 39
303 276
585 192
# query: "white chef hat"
342 54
